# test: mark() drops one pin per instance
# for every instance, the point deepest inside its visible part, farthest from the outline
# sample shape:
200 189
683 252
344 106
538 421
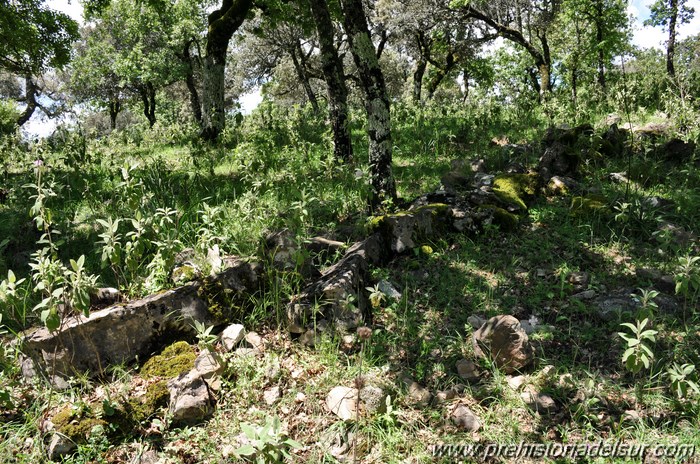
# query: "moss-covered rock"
515 189
502 218
76 423
175 359
139 409
589 204
406 229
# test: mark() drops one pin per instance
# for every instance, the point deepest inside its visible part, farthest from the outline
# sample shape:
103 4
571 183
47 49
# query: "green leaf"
245 450
249 431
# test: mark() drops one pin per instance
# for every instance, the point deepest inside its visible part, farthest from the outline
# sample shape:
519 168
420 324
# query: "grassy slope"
273 181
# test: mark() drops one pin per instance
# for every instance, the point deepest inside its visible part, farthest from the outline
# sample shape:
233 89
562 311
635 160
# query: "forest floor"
563 270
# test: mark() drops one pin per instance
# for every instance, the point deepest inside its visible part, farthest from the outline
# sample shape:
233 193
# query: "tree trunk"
671 46
30 94
376 102
300 67
599 40
222 24
114 108
418 74
440 74
195 103
148 97
334 75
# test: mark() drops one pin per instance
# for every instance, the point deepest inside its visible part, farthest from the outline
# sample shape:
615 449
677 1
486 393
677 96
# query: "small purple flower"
38 163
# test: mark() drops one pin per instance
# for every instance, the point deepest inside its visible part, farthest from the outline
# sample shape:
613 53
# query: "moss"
219 301
176 359
76 424
502 218
515 189
157 396
376 222
582 206
426 250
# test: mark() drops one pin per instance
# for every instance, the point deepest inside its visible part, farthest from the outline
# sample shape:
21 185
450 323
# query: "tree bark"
440 74
599 40
333 73
115 107
671 46
377 103
418 74
195 103
30 93
222 25
300 67
148 97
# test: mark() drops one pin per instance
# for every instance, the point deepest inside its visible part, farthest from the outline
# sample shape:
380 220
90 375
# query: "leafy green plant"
268 444
682 380
638 354
648 305
688 277
204 335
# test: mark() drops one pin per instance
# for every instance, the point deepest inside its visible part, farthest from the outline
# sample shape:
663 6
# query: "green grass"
280 176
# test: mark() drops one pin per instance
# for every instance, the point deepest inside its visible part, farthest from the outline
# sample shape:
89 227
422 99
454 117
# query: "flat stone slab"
124 332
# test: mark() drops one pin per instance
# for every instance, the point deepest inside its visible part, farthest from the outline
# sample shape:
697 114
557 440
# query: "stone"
373 399
538 402
465 419
562 185
677 150
611 119
185 273
105 297
342 401
585 295
59 446
255 341
613 141
418 395
482 180
190 400
478 165
310 338
610 306
272 395
208 364
503 340
232 336
214 259
282 249
661 282
631 415
516 381
446 395
476 321
455 180
468 370
389 290
579 280
557 160
408 229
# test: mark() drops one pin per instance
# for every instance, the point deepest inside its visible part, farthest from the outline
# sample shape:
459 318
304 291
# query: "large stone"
342 401
232 336
538 402
503 340
465 419
190 400
468 370
557 160
408 229
677 151
208 364
121 333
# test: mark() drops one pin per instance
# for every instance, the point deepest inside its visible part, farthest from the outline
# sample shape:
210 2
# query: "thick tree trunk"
148 97
418 74
195 103
334 75
30 94
440 74
300 68
115 107
671 46
222 24
376 102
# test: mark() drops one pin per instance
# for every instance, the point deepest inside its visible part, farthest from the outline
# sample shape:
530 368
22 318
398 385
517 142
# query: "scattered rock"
185 273
619 177
214 259
389 290
465 419
579 280
663 283
538 402
478 165
562 185
272 395
609 306
483 180
455 180
255 341
417 394
585 295
190 400
515 382
208 364
105 297
59 446
373 399
468 370
310 338
631 416
446 395
677 151
232 336
557 160
476 321
282 249
503 340
342 401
